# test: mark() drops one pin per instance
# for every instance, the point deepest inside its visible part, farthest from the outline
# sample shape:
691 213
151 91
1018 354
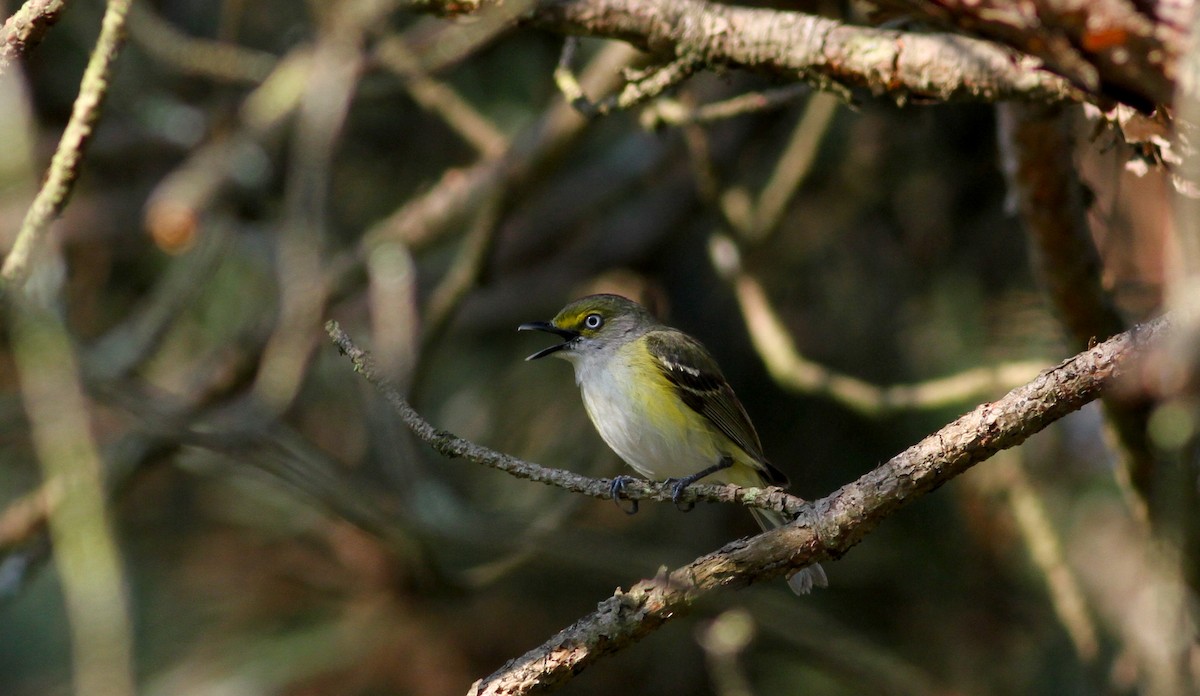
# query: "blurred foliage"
319 550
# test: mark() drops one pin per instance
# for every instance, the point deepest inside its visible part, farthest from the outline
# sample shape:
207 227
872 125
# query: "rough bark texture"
902 65
26 27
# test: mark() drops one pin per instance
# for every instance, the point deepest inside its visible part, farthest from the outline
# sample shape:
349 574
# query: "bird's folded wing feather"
698 381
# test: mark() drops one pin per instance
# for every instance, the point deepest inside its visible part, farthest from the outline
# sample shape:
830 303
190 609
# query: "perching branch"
831 526
826 528
450 445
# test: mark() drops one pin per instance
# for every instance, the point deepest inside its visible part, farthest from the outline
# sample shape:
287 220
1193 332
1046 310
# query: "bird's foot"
677 487
617 491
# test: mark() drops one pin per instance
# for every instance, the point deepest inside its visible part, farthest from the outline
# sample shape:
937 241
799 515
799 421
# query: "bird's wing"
698 381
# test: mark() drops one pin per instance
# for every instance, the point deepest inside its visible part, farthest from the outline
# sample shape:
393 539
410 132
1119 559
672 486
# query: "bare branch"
450 445
640 88
440 98
1109 47
1028 506
672 113
423 219
26 27
904 66
64 167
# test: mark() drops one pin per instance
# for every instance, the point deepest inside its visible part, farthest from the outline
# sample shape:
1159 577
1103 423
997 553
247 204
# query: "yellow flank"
637 413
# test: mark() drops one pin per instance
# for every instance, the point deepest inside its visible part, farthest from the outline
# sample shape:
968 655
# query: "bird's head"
595 322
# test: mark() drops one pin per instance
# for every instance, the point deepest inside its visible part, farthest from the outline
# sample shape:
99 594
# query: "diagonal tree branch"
68 158
831 526
826 528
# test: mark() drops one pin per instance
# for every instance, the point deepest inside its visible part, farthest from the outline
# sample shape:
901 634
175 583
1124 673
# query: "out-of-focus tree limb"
217 60
26 27
757 217
64 166
301 253
1125 49
829 527
794 372
80 523
902 65
424 219
1028 506
439 98
1037 146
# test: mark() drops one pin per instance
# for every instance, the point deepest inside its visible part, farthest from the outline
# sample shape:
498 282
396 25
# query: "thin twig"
129 344
26 27
452 446
303 290
1029 511
464 273
793 165
755 218
639 88
64 167
423 220
670 112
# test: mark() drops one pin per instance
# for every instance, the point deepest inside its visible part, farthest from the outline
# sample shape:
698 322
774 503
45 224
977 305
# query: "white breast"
653 431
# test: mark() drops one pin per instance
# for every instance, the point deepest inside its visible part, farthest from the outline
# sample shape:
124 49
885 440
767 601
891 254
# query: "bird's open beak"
566 334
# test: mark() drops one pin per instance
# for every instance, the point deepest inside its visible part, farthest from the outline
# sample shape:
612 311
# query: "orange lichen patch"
172 226
1105 38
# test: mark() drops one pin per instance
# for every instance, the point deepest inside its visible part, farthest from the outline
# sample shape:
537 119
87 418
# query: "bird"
658 398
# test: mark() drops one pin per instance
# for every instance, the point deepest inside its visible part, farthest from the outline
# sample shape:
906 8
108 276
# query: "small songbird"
658 399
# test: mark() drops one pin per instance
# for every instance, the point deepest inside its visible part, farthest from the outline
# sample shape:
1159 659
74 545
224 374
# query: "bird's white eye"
593 321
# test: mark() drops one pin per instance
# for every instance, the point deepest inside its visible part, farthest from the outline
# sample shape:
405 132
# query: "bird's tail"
805 579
